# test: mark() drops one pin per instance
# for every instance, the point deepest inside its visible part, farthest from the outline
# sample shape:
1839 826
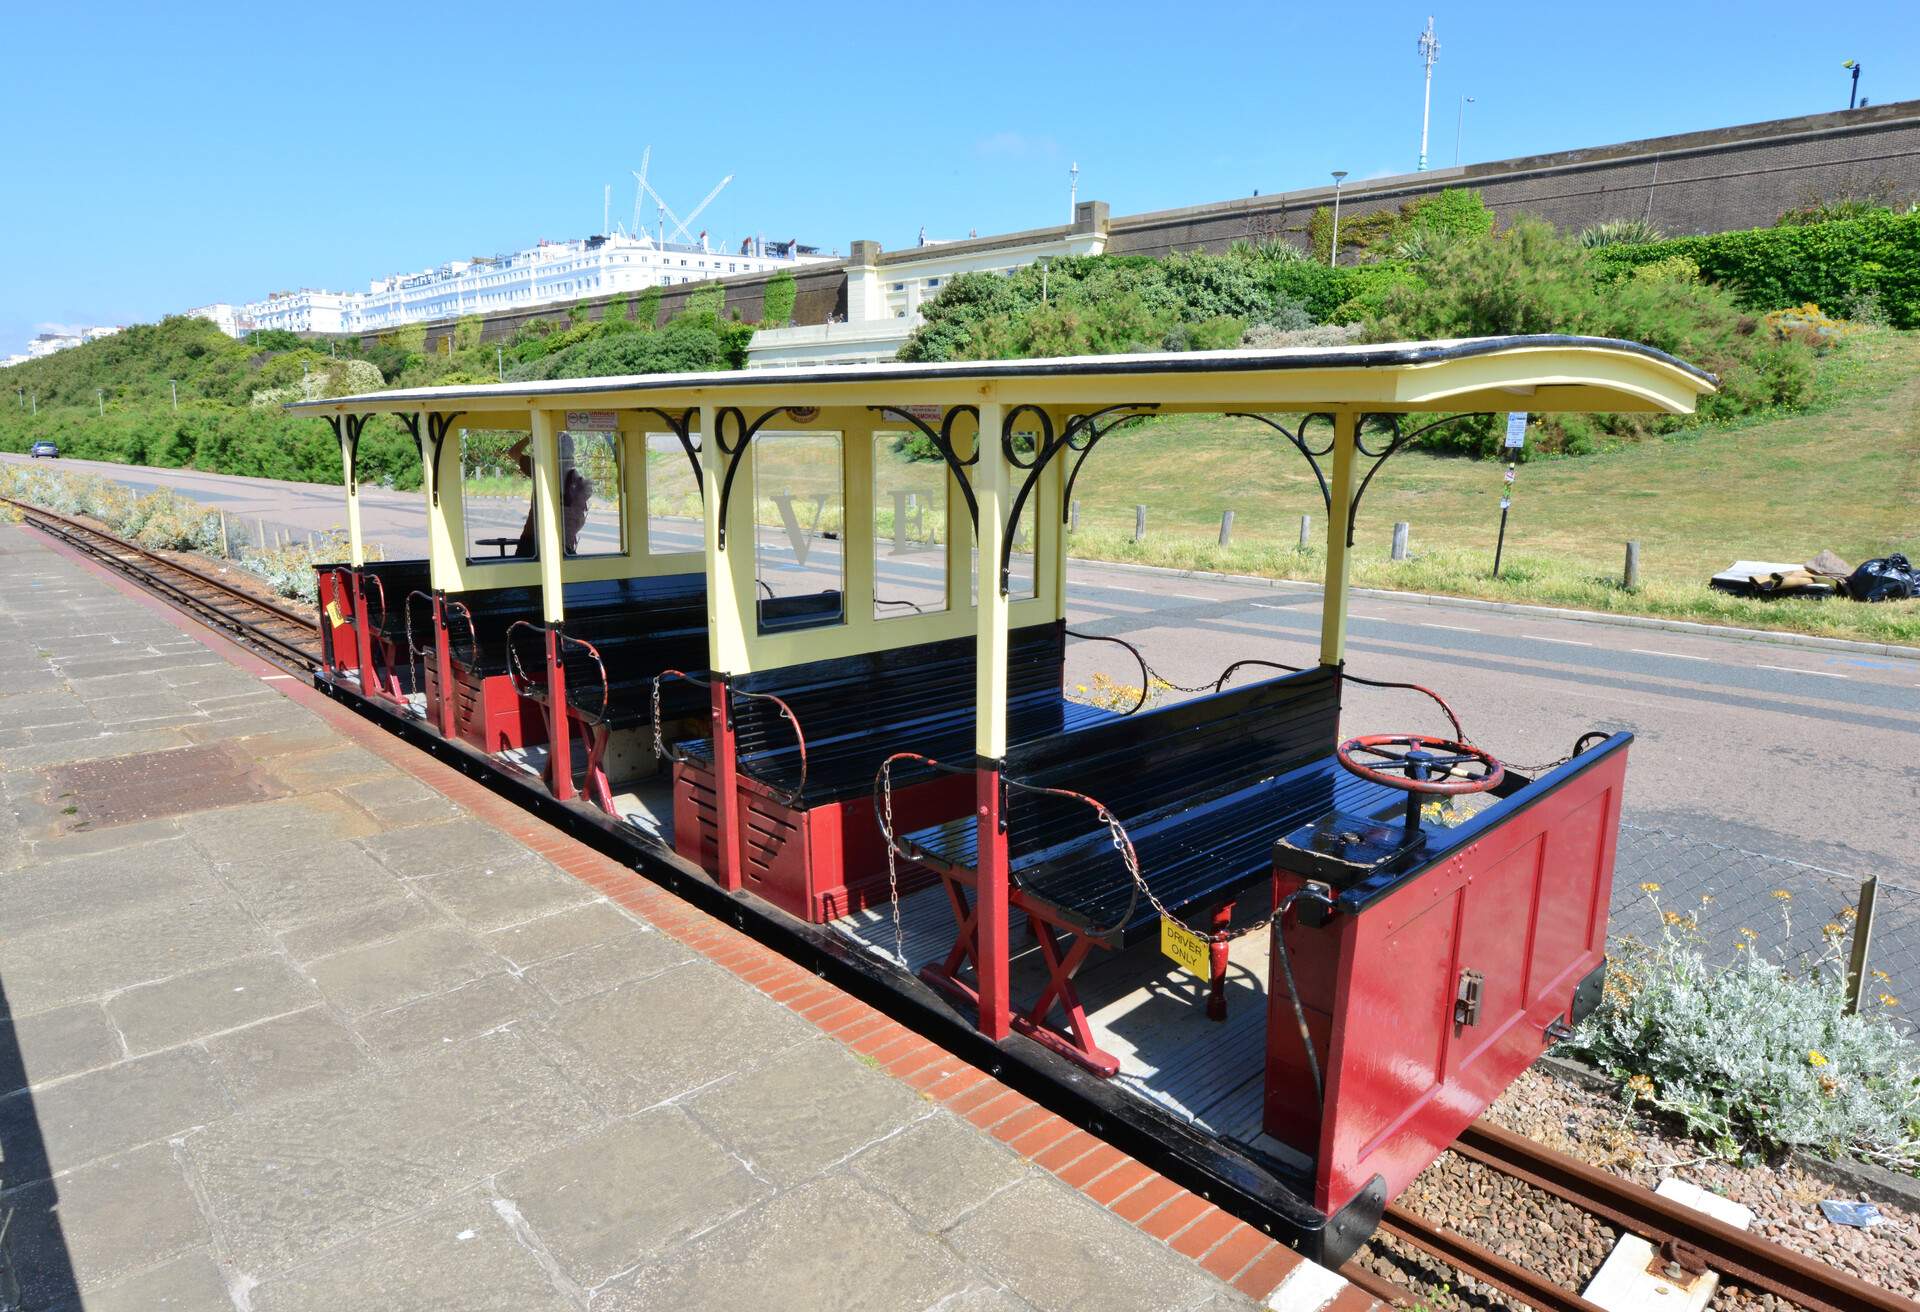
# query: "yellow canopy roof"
1540 374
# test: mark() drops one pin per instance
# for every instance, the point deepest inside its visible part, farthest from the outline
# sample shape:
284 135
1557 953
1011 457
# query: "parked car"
44 447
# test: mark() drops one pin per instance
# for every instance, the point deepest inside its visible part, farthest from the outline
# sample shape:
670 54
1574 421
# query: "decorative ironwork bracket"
747 432
1298 436
1087 427
943 443
347 430
438 426
1389 423
1092 430
682 426
411 422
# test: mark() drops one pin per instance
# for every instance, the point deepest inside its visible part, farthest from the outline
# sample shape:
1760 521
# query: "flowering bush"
1757 1055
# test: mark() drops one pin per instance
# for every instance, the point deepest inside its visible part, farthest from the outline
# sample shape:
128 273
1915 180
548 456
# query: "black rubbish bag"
1890 578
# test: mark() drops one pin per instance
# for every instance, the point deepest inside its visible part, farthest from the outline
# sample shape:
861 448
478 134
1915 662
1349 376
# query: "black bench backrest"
398 578
873 690
599 606
1180 755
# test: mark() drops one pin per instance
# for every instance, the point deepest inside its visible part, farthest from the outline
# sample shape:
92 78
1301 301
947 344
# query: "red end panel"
1525 910
336 622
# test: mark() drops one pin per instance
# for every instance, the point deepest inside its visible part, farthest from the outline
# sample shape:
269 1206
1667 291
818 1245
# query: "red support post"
442 667
363 641
726 788
990 908
559 741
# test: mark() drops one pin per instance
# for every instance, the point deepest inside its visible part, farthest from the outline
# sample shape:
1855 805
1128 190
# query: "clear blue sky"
157 157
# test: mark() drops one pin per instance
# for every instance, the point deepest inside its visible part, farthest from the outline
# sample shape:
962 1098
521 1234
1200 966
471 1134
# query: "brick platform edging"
1225 1246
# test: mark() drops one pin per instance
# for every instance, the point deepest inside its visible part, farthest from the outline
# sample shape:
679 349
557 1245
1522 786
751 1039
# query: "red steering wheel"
1417 763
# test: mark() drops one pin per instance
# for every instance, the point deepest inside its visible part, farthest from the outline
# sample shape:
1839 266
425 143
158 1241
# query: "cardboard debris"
1761 577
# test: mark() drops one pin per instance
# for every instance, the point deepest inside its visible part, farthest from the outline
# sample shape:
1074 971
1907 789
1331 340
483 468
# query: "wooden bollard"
1139 523
1306 532
1073 517
1400 540
1630 576
1226 528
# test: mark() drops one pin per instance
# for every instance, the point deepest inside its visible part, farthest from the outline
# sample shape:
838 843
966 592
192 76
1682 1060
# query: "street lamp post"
1333 251
1459 122
173 385
1853 95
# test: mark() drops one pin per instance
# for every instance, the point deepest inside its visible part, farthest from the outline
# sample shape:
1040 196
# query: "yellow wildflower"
1832 930
1783 895
1649 888
1882 976
1641 1085
1748 934
1888 1000
1816 1058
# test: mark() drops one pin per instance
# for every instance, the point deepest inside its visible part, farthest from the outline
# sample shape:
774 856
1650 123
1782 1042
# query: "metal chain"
659 742
893 867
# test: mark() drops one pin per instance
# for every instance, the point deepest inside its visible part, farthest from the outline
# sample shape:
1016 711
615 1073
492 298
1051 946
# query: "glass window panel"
799 515
496 495
591 494
674 515
910 527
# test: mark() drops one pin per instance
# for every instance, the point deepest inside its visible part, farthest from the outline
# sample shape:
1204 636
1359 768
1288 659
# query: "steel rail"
1483 1264
1755 1263
150 570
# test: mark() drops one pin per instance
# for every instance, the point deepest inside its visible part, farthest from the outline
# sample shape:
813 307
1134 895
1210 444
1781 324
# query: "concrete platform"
293 1017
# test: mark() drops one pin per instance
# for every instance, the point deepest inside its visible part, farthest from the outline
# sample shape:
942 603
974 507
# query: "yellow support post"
547 515
991 486
728 620
356 543
1333 605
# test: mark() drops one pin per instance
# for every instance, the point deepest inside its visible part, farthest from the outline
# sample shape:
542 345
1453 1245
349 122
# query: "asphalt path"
1795 752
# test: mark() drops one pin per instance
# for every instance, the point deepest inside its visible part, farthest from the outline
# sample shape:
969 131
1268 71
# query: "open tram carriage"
834 709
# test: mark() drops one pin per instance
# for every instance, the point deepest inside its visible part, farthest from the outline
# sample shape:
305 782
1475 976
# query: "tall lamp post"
1333 251
1853 95
1459 122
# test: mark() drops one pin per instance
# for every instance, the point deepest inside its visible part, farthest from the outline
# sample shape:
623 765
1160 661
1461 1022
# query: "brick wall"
1713 181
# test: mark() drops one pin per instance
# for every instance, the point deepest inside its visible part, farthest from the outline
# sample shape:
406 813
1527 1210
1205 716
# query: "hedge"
1830 264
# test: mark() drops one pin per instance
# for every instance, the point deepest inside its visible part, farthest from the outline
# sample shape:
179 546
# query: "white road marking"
1457 628
1267 605
1119 587
1194 596
1819 674
1565 642
1670 655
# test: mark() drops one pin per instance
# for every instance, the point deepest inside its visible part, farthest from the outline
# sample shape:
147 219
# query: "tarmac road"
1795 752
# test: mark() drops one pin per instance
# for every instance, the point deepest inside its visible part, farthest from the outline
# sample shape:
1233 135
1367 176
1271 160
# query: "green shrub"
1831 264
1619 232
1530 279
777 302
1759 1056
1455 213
1675 268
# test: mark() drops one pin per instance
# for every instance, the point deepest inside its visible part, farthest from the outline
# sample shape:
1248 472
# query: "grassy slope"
1844 474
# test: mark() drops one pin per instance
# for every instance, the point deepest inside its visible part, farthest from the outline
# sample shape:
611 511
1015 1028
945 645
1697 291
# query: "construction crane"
680 225
640 192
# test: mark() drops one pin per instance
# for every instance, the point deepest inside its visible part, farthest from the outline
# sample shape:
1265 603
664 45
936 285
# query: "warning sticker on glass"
1185 948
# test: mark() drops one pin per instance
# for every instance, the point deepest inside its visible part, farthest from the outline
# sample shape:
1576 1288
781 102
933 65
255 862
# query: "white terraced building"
552 272
559 271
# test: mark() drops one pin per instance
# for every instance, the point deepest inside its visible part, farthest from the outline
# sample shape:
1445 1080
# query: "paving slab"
504 892
52 1044
226 997
95 1225
300 1175
400 970
834 1244
108 1111
805 1110
462 1256
941 1168
294 1054
194 1283
630 1193
1084 1263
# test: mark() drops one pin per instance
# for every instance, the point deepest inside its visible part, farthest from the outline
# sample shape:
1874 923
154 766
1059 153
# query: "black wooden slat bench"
811 842
1202 789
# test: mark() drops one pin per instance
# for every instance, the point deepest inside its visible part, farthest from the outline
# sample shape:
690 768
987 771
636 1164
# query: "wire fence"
1791 906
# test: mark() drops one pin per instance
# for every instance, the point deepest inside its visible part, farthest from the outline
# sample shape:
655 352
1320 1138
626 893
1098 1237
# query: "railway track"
285 637
1683 1237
